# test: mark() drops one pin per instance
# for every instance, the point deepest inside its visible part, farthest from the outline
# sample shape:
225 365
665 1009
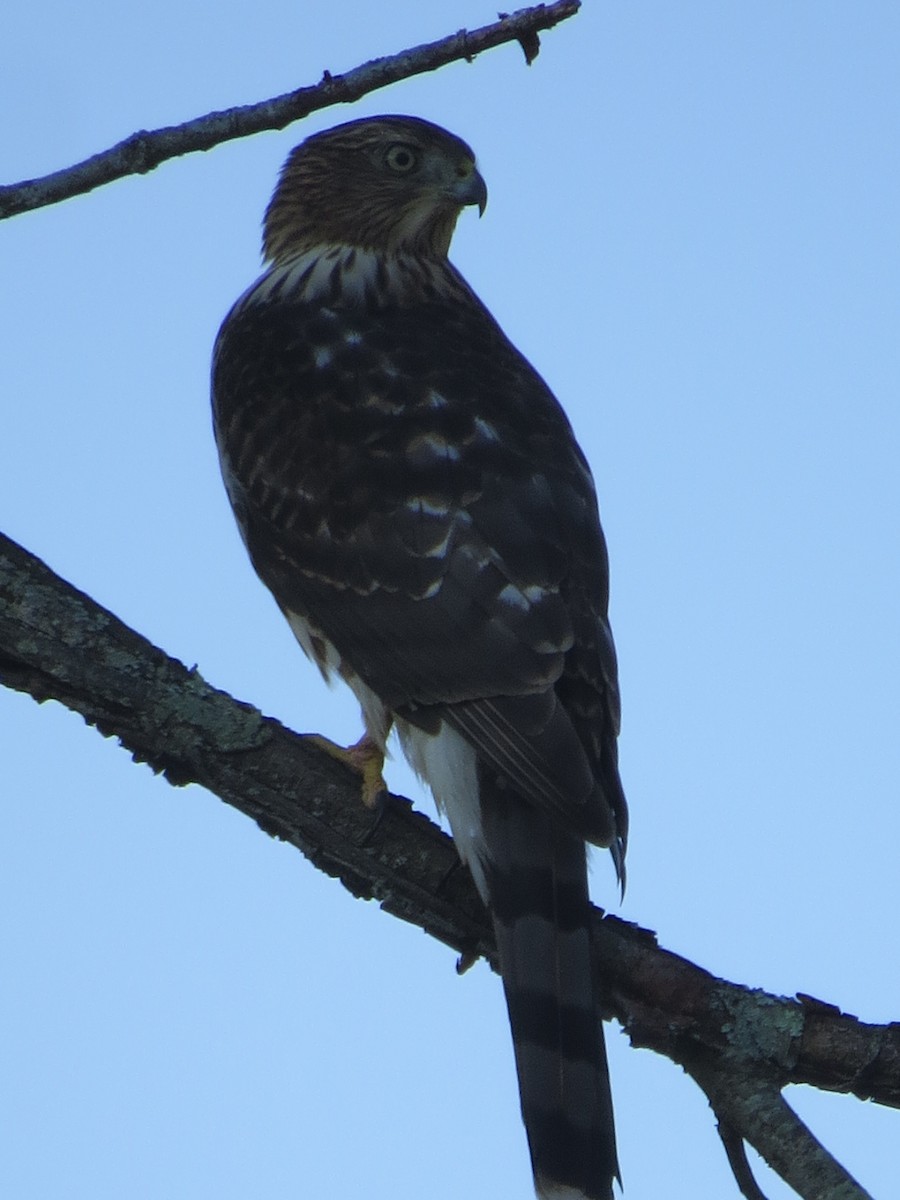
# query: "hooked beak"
470 188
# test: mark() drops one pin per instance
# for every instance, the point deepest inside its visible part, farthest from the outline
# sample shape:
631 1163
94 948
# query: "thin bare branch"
143 151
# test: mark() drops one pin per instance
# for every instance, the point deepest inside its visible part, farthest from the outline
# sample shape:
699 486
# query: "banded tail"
537 880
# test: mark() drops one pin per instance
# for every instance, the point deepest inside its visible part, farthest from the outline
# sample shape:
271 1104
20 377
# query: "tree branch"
736 1153
762 1116
143 151
742 1046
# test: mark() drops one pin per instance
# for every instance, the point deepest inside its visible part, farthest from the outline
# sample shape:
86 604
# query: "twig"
762 1116
143 151
736 1154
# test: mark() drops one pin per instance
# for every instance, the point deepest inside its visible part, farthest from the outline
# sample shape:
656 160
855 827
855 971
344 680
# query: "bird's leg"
366 757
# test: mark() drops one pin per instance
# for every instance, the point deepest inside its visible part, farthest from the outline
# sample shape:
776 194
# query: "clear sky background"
693 234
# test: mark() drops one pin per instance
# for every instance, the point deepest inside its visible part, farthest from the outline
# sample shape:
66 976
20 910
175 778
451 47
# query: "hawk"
412 494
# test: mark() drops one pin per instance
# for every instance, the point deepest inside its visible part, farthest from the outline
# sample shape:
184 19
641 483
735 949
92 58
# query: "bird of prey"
412 494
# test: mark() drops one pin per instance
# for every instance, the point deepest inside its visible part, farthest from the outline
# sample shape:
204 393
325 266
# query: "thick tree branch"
741 1045
57 643
143 151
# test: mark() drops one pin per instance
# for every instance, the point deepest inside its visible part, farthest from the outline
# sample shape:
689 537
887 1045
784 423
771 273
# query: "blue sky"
692 233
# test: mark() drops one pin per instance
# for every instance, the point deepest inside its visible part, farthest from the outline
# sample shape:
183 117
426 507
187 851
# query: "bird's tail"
537 879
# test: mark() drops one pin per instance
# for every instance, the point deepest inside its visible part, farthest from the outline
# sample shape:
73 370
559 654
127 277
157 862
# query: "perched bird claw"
378 807
366 758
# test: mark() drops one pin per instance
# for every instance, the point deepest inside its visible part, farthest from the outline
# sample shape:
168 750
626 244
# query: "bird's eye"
402 158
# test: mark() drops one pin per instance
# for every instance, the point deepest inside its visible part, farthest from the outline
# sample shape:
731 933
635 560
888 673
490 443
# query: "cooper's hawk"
412 494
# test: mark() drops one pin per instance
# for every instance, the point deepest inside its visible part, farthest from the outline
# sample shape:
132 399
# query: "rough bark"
741 1045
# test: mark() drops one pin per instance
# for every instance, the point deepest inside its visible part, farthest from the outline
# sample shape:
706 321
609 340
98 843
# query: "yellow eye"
402 158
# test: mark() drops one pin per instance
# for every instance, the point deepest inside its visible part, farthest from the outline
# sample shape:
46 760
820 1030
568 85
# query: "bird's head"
383 184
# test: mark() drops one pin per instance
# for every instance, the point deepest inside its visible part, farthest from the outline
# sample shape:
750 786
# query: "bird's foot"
365 757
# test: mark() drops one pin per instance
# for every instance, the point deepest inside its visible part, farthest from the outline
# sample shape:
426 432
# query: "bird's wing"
407 482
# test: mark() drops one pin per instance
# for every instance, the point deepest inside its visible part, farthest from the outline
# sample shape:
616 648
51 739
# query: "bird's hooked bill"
471 189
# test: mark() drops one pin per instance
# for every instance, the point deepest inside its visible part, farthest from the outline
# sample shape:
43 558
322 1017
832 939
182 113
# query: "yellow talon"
365 757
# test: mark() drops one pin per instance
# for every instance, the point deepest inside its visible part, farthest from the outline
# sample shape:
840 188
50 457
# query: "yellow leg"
366 758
